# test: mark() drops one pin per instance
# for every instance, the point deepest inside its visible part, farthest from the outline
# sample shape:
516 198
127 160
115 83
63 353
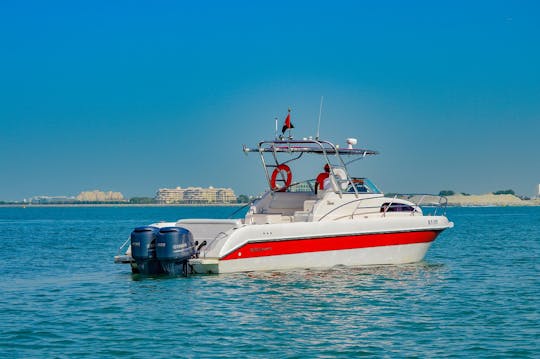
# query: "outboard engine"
143 250
174 247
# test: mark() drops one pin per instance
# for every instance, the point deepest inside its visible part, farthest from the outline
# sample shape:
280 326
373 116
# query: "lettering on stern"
260 249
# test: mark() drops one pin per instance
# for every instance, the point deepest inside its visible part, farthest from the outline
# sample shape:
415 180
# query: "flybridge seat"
287 203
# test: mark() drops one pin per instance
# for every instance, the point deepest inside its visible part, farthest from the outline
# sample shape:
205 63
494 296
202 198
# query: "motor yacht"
334 219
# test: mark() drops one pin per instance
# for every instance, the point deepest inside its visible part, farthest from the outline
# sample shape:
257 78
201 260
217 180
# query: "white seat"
340 177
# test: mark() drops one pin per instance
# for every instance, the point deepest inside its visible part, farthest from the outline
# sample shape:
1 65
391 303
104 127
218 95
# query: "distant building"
51 200
99 196
195 195
170 195
225 195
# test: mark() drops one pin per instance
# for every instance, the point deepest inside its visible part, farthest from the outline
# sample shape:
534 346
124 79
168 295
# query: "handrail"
326 148
441 204
242 207
352 215
123 245
423 199
209 246
345 204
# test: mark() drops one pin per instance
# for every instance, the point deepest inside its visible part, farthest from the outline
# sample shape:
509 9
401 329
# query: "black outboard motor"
143 250
174 247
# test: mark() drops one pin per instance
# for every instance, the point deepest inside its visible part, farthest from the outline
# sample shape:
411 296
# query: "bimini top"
309 146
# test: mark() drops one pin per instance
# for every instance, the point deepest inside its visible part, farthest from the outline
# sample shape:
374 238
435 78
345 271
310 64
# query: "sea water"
476 294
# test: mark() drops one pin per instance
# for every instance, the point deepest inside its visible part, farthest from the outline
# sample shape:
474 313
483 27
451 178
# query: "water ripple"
476 295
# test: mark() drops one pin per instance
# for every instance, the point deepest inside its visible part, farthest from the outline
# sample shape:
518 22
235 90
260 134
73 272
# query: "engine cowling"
143 250
174 247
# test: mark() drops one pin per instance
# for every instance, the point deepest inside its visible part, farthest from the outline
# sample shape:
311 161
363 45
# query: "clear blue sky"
132 96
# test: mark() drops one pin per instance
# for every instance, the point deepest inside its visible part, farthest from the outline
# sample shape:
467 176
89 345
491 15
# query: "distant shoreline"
457 200
453 201
490 200
20 205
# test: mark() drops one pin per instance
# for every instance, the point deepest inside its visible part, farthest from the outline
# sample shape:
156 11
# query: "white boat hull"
396 254
321 245
231 246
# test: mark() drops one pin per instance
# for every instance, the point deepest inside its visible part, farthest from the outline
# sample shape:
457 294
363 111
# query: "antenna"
275 133
319 124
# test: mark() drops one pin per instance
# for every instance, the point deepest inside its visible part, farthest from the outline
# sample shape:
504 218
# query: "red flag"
287 125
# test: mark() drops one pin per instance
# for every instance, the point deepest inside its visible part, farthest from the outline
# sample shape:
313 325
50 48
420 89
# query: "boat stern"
204 265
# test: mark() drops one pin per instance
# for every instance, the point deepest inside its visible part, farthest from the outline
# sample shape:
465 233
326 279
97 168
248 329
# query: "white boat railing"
426 201
121 256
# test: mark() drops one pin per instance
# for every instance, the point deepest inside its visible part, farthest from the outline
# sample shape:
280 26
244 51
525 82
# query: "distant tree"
447 192
142 200
465 194
242 199
506 191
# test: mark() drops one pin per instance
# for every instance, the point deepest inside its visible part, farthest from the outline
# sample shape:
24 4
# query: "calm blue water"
476 295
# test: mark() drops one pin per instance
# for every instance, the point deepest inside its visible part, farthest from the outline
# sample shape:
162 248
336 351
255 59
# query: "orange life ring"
277 170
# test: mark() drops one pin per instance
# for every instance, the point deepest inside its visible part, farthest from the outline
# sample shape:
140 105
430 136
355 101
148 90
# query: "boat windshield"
362 185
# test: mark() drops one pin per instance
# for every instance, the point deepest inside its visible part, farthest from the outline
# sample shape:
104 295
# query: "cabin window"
396 207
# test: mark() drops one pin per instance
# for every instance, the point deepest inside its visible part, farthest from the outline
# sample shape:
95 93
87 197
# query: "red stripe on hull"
295 246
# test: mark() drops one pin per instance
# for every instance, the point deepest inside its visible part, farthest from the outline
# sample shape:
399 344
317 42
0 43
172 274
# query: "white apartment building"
195 195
